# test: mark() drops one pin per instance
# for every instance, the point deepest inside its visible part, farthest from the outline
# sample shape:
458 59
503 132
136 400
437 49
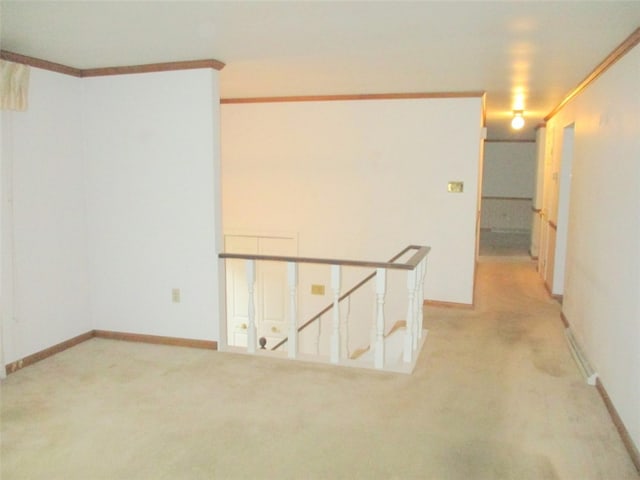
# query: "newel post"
419 311
251 328
381 287
409 332
292 343
335 333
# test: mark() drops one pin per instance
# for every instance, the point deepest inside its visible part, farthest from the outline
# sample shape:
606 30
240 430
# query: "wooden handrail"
410 264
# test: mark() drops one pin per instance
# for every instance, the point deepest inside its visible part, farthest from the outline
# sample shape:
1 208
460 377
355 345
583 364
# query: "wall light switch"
175 295
455 187
317 289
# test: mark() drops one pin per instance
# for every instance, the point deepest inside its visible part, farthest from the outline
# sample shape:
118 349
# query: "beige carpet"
495 395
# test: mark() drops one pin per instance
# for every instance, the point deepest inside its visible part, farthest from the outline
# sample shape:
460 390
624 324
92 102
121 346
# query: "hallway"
495 395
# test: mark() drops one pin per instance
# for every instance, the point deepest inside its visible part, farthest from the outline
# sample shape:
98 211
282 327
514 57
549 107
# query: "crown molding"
100 72
39 63
153 67
620 51
363 96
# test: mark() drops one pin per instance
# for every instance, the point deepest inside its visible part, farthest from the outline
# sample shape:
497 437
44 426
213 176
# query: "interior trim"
156 339
100 72
484 111
617 421
620 51
555 296
153 67
47 352
565 322
39 63
438 303
363 96
131 337
506 140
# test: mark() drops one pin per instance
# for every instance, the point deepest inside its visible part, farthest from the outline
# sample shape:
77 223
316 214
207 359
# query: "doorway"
558 234
508 180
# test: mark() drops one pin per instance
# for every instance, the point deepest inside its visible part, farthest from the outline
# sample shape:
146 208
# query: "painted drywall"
602 274
508 182
44 245
110 199
359 180
152 154
509 169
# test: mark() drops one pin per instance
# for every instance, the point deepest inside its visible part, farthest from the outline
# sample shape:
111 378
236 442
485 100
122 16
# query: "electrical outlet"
175 295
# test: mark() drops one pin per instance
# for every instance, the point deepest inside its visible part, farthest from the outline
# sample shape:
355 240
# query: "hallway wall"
601 300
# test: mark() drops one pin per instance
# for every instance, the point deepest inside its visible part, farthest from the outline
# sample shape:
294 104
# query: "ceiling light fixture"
518 119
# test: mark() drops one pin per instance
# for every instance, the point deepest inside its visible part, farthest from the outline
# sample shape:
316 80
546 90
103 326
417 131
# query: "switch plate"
175 295
317 289
455 187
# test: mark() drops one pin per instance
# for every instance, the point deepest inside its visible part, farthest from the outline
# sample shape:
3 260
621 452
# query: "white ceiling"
542 49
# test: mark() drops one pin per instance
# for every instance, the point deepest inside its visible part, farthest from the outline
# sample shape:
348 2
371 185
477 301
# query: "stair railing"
415 267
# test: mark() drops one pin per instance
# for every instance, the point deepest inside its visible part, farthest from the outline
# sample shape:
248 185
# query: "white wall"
509 169
602 274
152 150
115 188
44 268
359 180
508 185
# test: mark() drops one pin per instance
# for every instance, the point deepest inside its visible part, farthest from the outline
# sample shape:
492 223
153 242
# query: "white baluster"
292 342
374 313
251 328
381 287
344 329
319 322
409 332
335 333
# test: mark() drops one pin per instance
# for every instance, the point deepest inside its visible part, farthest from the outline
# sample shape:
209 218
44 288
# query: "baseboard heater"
583 364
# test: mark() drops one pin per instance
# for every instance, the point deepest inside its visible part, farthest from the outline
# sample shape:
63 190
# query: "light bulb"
518 120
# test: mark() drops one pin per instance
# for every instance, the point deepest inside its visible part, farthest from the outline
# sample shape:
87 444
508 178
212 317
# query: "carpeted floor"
504 243
495 395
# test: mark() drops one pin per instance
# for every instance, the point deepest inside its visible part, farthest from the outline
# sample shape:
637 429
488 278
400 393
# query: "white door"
271 296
